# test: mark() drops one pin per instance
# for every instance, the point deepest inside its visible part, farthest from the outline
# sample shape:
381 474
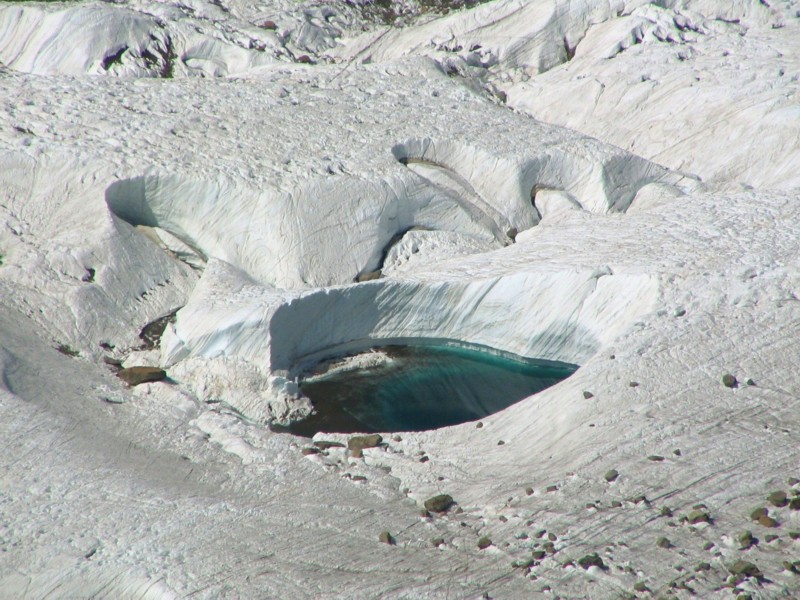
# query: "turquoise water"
423 387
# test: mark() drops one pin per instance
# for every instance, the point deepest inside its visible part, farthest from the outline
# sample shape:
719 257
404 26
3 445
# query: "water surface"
421 388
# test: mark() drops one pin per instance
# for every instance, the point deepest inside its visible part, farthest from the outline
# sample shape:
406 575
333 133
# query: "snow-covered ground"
609 184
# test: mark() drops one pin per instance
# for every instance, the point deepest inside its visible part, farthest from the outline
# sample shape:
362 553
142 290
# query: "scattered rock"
484 543
397 438
551 488
611 475
778 499
113 362
794 535
305 59
360 442
440 503
698 516
677 452
703 566
633 384
666 511
137 375
640 499
795 504
655 458
616 504
587 395
549 547
591 560
663 542
523 564
793 481
758 513
152 332
326 445
746 540
310 450
679 312
792 567
366 275
766 521
538 554
640 586
745 568
729 381
270 25
437 541
67 350
770 537
386 538
479 425
529 491
500 442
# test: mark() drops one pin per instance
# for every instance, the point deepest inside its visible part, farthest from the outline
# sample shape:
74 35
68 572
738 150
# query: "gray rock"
591 560
729 380
439 504
137 375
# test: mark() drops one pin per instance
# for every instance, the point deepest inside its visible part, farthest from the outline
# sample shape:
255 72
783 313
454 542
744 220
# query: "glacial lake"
422 388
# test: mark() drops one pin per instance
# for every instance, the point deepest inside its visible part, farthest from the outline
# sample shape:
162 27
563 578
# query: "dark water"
423 388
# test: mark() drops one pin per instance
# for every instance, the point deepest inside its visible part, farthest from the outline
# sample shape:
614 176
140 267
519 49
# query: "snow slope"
297 181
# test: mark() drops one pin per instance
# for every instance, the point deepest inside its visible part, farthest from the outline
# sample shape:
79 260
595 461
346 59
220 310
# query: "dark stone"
386 538
729 381
698 516
360 442
529 491
484 543
758 513
500 443
551 488
479 424
611 475
270 25
437 541
137 375
794 504
766 521
538 554
655 458
591 560
152 332
440 503
325 445
311 450
588 395
663 542
746 540
112 362
703 566
778 499
67 351
747 569
634 384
